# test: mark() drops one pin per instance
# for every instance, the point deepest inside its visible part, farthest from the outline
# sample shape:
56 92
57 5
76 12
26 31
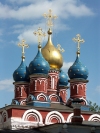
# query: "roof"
54 106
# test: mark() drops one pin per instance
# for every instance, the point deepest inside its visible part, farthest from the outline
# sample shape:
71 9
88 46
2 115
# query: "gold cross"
60 48
39 34
79 41
49 17
23 45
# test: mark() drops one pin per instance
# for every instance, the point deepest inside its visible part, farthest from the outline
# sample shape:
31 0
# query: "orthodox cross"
49 17
39 34
23 45
60 48
79 42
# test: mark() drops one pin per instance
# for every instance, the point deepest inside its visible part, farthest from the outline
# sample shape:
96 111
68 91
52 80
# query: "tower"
38 69
21 78
78 74
55 60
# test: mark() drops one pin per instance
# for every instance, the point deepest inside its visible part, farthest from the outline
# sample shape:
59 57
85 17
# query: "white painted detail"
15 123
5 114
34 113
41 95
84 100
21 103
53 83
94 117
54 95
54 114
35 84
21 89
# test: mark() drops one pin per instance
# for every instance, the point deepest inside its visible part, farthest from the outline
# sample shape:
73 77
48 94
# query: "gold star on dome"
50 17
77 39
39 33
23 45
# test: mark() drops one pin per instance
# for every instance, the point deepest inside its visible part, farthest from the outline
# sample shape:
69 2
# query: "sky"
20 18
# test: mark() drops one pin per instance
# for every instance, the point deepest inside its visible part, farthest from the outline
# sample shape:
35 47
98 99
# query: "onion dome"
78 70
63 79
52 54
39 65
21 73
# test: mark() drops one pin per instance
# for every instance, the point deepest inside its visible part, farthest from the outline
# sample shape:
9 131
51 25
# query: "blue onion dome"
21 73
63 78
39 65
78 70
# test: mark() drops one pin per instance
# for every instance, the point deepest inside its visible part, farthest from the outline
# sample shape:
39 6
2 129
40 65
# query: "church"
40 89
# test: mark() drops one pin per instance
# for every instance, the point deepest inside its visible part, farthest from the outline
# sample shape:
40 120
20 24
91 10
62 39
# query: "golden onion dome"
52 54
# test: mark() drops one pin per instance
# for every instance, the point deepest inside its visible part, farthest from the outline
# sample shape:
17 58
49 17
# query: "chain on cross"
23 45
49 18
39 33
77 39
60 48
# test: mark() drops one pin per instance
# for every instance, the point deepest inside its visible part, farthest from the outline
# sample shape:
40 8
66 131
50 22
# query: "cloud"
36 8
27 31
6 84
66 65
98 88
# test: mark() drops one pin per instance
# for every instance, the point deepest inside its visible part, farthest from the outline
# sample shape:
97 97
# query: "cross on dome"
77 39
49 17
60 48
23 45
39 33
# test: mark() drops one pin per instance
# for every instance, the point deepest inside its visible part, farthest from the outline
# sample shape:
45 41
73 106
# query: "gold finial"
60 48
39 34
49 17
79 42
23 45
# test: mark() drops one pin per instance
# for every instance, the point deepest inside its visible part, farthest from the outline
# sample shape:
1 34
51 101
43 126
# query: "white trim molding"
43 96
54 95
84 100
94 117
54 114
4 114
34 113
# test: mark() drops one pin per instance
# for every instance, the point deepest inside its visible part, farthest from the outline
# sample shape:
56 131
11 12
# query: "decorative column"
53 81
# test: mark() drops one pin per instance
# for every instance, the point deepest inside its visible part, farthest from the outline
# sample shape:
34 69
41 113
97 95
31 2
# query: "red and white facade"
25 116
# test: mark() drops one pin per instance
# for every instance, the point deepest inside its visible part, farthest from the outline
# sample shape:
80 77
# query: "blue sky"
19 19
